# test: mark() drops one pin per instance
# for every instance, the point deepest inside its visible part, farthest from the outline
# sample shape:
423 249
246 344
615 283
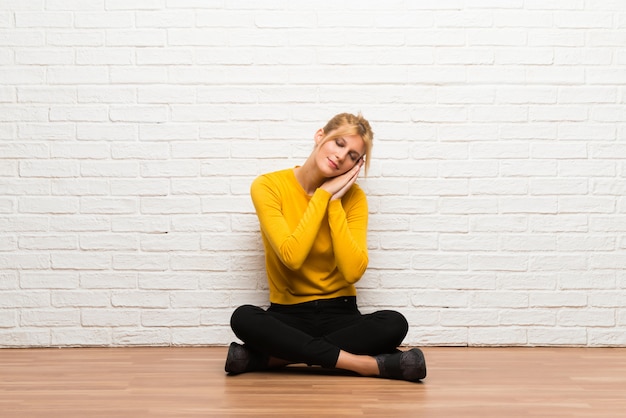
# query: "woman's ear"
319 135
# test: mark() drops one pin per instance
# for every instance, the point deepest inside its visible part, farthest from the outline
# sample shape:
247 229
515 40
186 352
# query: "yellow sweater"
315 248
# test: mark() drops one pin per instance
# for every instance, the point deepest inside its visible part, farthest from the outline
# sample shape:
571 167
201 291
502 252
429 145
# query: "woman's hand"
338 186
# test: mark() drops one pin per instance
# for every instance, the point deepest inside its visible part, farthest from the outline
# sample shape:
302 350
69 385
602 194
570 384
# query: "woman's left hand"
350 177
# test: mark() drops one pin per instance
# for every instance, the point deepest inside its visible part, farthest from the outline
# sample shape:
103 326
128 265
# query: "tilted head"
347 124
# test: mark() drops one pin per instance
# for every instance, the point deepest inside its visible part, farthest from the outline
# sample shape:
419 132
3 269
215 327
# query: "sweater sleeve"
292 246
348 225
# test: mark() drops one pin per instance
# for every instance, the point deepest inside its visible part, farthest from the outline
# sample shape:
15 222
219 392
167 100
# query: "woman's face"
337 156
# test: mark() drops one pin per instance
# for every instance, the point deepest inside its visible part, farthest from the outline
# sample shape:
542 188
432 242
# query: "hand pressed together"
338 186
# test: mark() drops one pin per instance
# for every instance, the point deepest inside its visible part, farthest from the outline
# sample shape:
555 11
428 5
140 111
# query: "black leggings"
314 332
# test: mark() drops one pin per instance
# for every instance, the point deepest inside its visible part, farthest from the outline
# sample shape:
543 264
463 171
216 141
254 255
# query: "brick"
603 187
22 38
606 338
488 151
439 262
50 318
109 169
509 186
80 261
476 205
140 262
24 151
586 205
47 242
223 335
109 56
25 337
578 280
467 243
79 114
8 242
439 187
496 262
75 38
25 223
106 131
167 205
41 94
138 75
77 75
557 336
136 38
80 337
81 298
498 336
440 336
9 280
7 94
408 205
44 57
176 94
170 56
22 114
25 299
141 337
108 242
588 317
73 187
141 151
170 242
199 263
43 20
606 261
203 187
140 299
578 131
79 223
171 19
192 223
105 280
170 318
498 114
168 281
142 223
8 319
466 169
49 280
107 19
110 317
57 205
174 131
144 113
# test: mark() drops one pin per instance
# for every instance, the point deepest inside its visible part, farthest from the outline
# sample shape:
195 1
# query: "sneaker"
240 359
405 365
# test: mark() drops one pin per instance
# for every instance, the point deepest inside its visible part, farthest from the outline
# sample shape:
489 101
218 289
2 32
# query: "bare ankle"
361 364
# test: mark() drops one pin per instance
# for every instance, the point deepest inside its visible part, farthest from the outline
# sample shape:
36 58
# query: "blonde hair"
349 124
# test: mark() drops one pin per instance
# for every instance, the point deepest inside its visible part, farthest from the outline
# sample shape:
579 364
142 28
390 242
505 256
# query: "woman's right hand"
338 186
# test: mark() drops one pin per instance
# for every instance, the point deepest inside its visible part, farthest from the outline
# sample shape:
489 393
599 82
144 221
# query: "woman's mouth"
332 164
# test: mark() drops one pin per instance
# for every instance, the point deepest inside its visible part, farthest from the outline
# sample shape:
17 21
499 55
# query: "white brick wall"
130 131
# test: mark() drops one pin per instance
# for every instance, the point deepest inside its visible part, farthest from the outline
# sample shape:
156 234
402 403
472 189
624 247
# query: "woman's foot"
241 359
404 365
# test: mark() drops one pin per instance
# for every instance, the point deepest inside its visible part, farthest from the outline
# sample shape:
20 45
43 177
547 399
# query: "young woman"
313 222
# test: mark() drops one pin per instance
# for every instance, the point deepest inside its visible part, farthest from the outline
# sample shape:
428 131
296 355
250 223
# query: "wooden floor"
182 382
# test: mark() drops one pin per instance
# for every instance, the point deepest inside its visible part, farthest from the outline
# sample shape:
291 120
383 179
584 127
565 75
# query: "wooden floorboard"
190 381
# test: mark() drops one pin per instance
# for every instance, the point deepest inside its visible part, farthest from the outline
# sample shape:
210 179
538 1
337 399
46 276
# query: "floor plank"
190 381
